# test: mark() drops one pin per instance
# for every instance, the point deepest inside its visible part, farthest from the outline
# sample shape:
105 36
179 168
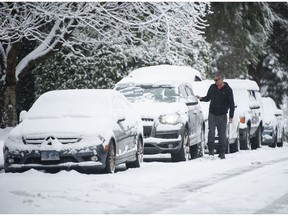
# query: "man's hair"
219 74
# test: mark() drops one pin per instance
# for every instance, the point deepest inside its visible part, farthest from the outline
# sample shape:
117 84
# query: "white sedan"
76 129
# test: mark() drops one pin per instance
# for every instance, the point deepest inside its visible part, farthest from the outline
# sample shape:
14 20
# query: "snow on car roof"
76 102
201 88
269 107
242 84
160 71
269 104
153 81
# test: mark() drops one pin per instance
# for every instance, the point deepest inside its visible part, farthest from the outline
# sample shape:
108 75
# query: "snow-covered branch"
51 25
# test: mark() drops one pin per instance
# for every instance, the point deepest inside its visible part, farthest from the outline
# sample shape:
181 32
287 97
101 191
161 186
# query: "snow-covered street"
246 182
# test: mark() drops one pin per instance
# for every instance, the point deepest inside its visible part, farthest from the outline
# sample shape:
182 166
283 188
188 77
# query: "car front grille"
167 135
39 140
147 131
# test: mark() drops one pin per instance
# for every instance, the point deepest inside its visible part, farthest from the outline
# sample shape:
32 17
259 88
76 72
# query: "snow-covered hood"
154 110
62 127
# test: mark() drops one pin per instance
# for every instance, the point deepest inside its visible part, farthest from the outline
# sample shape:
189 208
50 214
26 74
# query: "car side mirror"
254 105
191 101
23 115
278 112
121 116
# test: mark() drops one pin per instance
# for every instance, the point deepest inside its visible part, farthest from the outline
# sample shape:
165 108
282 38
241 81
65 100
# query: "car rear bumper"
268 137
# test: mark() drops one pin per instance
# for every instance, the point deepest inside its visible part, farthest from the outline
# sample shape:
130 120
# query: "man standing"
221 96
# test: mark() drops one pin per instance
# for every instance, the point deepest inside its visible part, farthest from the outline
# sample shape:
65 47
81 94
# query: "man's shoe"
221 155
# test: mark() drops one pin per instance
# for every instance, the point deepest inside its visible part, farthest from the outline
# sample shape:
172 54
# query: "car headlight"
172 119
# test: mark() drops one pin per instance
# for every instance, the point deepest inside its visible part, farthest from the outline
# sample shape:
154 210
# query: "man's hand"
230 120
197 96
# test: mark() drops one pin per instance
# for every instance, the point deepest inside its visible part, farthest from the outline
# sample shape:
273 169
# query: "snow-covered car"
250 108
273 125
158 72
85 130
201 89
171 115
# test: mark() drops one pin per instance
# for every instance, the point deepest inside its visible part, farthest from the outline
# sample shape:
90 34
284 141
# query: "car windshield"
142 93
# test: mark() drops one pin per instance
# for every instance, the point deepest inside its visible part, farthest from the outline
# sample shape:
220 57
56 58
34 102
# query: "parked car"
250 108
171 115
76 129
233 144
273 123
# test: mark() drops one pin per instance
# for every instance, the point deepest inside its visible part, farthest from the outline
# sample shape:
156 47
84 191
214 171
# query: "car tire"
257 141
201 146
235 147
139 155
280 144
183 154
246 144
198 149
274 144
110 158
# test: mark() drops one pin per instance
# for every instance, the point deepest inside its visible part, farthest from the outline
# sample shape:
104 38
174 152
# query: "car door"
255 112
191 114
122 129
197 111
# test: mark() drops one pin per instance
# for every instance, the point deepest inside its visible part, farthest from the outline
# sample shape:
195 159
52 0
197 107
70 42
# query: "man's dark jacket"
221 100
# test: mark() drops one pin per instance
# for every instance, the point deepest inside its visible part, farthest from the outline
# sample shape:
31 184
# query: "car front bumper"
163 139
78 157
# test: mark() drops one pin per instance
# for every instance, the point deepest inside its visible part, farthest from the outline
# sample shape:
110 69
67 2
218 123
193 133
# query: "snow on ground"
246 182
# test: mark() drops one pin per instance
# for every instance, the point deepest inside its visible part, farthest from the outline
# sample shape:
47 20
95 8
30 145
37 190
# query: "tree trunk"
9 115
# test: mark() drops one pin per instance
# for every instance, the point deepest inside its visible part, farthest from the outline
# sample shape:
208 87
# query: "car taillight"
242 120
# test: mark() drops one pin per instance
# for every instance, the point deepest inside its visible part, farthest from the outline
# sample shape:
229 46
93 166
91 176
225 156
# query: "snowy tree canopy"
51 24
45 27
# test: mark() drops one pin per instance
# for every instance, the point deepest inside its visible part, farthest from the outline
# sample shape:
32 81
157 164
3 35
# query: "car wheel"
280 144
198 149
246 144
201 146
183 154
257 141
274 144
235 146
139 155
110 159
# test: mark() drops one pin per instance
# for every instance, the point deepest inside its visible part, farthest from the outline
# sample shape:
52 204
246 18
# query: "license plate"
49 155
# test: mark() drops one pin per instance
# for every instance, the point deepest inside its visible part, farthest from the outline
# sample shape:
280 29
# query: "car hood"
154 110
62 127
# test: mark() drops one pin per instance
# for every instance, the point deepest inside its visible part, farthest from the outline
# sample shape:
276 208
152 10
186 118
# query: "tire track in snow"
274 207
177 195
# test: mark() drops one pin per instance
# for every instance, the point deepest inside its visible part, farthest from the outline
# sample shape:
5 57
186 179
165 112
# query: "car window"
252 96
183 92
142 93
189 91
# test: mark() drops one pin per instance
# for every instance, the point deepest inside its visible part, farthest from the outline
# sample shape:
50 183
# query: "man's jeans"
219 122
